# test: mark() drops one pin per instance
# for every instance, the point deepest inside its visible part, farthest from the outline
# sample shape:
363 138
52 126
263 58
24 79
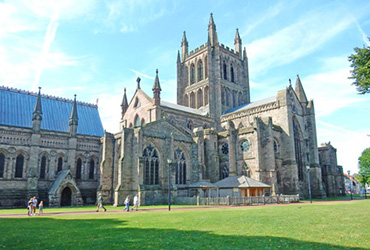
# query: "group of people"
32 206
127 204
135 203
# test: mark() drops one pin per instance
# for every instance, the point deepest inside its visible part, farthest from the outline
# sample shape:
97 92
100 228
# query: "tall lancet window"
298 149
206 89
151 166
225 70
91 169
79 168
192 74
200 98
137 121
180 166
232 73
2 165
19 166
43 167
200 70
60 164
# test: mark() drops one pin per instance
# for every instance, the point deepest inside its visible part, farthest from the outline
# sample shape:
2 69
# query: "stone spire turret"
37 114
73 120
138 82
178 57
124 105
300 91
157 90
238 44
212 33
184 47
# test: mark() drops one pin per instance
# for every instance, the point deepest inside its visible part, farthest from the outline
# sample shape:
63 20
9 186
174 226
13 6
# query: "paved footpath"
163 209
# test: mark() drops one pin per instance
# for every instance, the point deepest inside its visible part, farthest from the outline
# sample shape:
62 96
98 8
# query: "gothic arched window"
60 164
151 166
180 163
43 167
232 73
200 70
189 124
206 89
2 165
225 70
192 100
224 170
192 74
137 103
298 150
91 169
142 121
200 99
137 121
19 166
205 68
227 102
79 168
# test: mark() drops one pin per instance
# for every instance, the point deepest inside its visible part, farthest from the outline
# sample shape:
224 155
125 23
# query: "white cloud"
295 41
349 144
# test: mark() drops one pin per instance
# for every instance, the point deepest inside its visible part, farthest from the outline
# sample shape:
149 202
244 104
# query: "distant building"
332 174
49 148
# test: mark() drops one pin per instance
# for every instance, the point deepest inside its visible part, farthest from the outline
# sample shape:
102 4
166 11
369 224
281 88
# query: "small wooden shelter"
242 186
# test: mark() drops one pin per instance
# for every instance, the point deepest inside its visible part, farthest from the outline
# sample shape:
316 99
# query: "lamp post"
309 182
169 161
350 182
363 180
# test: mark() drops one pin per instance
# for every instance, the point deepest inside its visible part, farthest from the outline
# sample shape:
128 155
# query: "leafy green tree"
364 165
360 62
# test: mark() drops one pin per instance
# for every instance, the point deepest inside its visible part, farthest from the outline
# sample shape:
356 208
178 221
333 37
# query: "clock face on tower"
245 146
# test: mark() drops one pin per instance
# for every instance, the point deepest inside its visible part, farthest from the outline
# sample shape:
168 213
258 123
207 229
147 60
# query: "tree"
364 165
360 62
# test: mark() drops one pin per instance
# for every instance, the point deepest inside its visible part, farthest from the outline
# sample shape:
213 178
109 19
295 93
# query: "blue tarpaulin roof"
17 106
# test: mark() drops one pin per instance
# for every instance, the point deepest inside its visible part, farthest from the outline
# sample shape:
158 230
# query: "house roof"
240 182
17 106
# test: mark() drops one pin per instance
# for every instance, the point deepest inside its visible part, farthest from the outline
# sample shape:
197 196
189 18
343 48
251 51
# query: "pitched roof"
251 105
240 182
16 108
183 108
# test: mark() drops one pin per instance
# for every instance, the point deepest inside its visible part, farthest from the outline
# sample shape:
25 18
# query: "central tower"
213 77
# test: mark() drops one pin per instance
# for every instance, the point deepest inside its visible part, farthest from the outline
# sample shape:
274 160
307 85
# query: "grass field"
330 225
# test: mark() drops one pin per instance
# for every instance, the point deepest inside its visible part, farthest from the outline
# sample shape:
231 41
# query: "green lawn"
329 225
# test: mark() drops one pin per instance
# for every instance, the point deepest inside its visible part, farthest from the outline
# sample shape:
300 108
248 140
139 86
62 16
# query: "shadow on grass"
50 233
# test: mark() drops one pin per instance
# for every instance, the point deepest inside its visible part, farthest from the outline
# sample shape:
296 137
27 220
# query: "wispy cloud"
334 76
297 40
49 38
349 144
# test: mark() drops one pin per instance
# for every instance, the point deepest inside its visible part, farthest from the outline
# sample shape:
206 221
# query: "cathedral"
213 134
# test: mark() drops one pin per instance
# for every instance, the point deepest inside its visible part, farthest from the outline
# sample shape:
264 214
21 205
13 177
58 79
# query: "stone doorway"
66 200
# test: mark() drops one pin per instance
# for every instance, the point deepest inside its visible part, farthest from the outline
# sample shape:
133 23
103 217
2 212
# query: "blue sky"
97 48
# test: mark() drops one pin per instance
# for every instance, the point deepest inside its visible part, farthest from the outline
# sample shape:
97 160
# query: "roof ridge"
25 92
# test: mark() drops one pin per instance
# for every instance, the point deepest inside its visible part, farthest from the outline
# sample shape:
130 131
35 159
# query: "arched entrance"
66 197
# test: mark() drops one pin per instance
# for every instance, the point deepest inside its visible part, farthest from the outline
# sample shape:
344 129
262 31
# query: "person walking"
34 205
100 203
136 203
41 207
127 203
29 207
